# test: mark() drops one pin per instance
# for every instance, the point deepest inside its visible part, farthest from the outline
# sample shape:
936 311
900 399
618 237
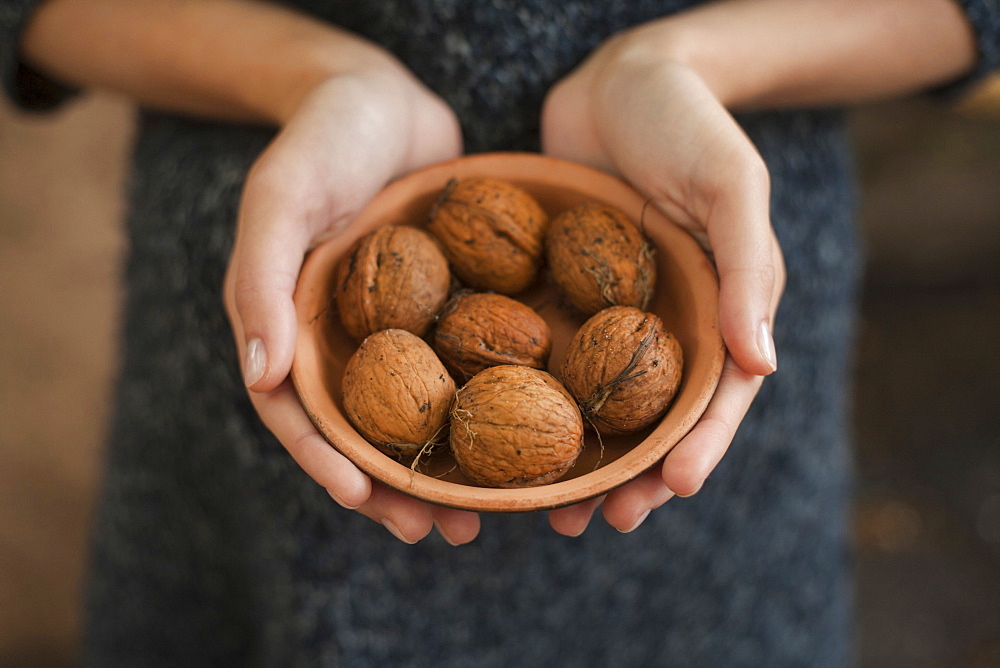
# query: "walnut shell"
394 277
397 394
599 258
482 329
492 232
623 369
514 426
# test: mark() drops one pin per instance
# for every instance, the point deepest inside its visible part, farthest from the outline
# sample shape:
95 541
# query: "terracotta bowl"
686 299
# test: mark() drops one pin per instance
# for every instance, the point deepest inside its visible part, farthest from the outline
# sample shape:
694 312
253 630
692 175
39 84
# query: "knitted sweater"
212 547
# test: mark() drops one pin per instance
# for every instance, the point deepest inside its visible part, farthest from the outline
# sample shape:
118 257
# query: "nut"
481 329
599 258
393 277
623 369
492 232
397 394
514 426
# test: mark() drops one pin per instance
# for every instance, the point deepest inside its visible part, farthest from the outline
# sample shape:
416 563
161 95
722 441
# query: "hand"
347 138
657 124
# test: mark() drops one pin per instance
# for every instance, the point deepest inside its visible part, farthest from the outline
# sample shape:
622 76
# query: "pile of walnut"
510 424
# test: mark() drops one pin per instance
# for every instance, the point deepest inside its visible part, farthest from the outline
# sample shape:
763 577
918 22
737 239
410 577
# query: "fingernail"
693 492
340 500
765 343
444 535
394 530
642 518
255 363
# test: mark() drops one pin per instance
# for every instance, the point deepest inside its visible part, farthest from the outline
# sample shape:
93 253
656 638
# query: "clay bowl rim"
530 170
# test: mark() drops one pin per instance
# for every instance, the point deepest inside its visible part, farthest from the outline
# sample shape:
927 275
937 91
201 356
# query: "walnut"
623 369
481 329
514 426
492 233
397 394
599 258
393 277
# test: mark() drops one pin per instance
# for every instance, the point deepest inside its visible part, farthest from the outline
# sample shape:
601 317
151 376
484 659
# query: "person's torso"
491 60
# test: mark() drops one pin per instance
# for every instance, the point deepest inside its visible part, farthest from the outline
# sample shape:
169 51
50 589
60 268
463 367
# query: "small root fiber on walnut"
395 277
397 394
477 330
492 232
599 258
623 368
514 426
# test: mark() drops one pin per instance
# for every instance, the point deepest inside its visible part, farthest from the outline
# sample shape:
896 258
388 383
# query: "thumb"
260 284
751 272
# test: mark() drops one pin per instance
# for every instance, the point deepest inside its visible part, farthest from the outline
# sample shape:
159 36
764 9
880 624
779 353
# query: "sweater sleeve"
984 18
24 86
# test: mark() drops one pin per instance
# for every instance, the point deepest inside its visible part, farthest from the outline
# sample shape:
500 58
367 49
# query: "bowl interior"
686 298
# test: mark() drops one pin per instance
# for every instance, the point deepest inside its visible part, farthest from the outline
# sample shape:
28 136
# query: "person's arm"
228 59
653 104
351 117
781 53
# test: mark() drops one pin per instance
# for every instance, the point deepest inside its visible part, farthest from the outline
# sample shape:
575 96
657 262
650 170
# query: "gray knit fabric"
212 547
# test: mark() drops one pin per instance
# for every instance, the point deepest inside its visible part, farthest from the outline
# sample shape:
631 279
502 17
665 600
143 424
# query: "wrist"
672 40
305 64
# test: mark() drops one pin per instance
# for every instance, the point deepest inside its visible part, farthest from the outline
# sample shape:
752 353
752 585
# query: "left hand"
656 123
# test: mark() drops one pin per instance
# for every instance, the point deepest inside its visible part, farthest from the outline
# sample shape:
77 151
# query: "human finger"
743 246
263 271
690 462
573 520
457 527
406 518
628 506
281 411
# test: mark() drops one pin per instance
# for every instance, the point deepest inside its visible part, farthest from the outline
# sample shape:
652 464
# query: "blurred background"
927 408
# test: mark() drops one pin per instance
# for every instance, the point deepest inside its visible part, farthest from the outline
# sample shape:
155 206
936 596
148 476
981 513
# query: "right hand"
350 135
